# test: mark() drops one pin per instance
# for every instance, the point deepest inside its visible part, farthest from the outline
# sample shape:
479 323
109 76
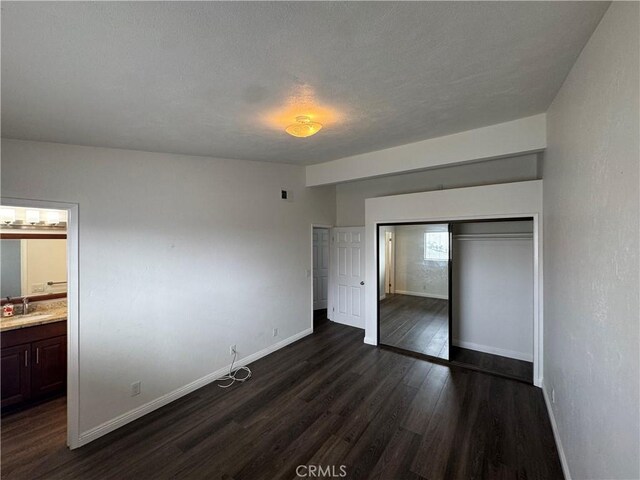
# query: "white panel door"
347 305
320 267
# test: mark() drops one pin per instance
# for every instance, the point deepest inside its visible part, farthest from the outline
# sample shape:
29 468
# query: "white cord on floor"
233 375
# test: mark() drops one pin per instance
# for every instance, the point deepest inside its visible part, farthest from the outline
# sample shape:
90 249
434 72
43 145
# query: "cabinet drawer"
20 336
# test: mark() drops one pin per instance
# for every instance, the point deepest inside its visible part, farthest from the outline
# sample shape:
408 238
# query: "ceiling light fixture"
303 127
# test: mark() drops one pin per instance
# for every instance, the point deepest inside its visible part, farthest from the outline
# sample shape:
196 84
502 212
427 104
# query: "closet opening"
459 292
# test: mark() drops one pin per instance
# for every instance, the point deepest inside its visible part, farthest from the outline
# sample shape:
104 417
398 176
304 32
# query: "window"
436 246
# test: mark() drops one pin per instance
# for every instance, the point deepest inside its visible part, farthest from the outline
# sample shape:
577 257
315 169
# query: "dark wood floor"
328 399
421 325
509 367
417 324
319 317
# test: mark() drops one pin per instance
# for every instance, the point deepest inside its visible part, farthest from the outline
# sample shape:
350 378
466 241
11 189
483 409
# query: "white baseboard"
494 350
121 420
422 294
382 297
370 341
556 434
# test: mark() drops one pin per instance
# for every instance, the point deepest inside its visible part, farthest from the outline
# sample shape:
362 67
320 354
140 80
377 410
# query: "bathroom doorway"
40 316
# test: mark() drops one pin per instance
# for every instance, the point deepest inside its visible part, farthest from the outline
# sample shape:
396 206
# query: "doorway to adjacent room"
40 318
320 274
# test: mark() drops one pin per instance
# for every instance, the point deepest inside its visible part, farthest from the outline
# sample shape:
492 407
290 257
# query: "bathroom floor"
31 435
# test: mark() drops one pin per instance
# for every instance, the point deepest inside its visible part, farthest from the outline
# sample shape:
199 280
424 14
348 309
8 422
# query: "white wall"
413 274
180 257
492 288
591 253
517 137
521 199
350 196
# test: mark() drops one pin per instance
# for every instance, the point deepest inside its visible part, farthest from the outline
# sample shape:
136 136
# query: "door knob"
361 283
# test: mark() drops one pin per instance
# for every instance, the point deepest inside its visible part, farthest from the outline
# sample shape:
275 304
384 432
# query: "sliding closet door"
416 316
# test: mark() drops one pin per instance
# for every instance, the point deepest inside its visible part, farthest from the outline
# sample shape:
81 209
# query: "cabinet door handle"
37 355
26 358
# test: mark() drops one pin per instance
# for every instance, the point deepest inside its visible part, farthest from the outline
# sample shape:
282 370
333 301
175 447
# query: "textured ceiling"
219 78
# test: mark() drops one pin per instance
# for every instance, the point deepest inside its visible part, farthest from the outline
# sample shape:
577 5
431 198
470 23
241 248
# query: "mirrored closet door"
414 262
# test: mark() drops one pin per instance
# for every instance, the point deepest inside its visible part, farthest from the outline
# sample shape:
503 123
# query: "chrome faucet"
25 305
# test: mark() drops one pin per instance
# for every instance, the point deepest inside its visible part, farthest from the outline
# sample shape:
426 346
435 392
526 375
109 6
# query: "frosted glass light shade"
32 216
7 215
53 218
303 127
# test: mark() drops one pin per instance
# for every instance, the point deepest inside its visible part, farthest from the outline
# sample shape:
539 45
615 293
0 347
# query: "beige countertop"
33 319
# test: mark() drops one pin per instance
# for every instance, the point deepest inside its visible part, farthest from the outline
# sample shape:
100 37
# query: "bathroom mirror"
33 267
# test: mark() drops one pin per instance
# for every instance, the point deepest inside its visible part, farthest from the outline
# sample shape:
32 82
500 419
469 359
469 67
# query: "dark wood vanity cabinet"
48 366
15 373
33 363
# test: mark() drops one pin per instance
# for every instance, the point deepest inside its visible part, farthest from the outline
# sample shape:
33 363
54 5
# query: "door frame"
328 227
390 263
73 319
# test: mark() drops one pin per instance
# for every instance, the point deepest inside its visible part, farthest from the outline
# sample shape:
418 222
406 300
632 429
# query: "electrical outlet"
135 388
37 287
275 332
232 349
553 395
